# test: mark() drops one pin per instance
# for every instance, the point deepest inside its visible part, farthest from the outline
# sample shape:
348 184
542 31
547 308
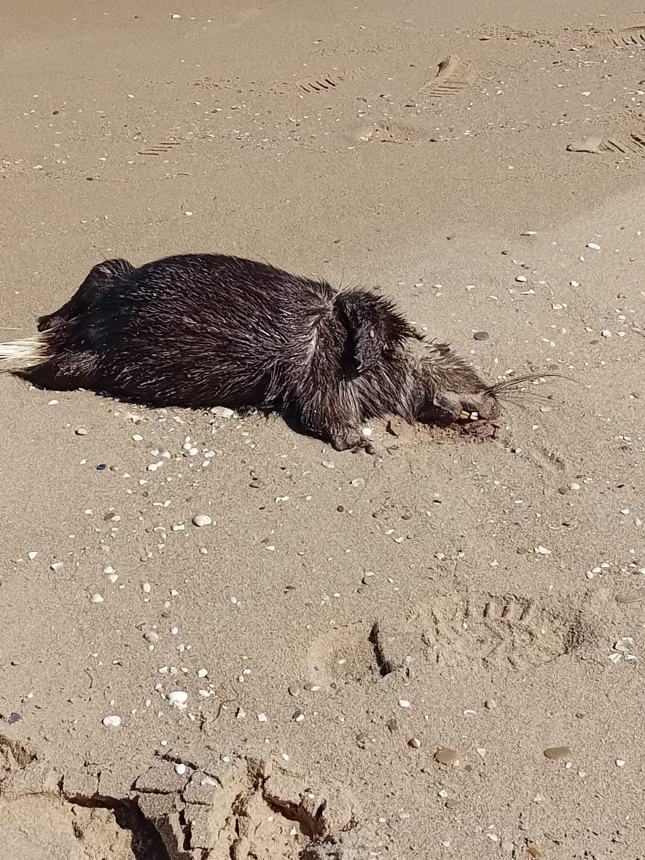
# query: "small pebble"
178 698
180 769
111 721
491 704
201 520
56 566
96 598
447 756
521 279
81 431
146 588
403 703
605 333
415 743
481 335
620 762
558 753
593 246
262 718
299 716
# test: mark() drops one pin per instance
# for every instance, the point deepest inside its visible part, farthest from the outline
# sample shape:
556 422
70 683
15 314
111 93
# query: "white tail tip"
29 349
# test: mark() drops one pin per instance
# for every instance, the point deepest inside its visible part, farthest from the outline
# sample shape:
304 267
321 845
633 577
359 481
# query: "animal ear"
375 329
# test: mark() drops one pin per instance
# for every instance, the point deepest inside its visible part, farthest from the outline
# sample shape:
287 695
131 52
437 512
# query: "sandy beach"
434 652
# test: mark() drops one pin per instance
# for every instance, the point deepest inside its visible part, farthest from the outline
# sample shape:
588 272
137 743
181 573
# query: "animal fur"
200 330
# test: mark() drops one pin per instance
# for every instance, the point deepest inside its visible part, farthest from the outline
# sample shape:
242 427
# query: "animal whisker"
513 382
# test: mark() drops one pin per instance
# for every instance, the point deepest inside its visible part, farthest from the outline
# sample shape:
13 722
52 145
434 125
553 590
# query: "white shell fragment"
222 412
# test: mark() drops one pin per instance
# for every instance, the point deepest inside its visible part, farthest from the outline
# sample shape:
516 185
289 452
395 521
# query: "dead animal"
205 330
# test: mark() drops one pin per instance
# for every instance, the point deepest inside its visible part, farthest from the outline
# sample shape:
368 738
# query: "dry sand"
487 584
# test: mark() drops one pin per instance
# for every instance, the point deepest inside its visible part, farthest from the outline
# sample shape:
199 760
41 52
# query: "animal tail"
30 350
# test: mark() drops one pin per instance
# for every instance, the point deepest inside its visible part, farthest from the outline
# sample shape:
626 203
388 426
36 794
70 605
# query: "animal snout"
486 406
450 405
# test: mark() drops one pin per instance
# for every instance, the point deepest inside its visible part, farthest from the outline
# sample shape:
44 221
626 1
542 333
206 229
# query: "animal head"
427 382
449 387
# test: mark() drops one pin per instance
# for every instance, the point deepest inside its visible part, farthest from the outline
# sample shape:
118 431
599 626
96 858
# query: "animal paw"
351 439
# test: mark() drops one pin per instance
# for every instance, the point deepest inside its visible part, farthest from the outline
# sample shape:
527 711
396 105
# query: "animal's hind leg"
65 372
100 278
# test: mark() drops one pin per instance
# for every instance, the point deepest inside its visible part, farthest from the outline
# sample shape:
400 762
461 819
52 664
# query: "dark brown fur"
201 330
